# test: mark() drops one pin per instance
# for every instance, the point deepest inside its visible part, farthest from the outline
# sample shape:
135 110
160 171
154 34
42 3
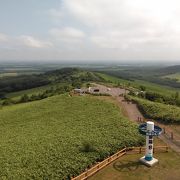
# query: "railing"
112 158
139 150
100 165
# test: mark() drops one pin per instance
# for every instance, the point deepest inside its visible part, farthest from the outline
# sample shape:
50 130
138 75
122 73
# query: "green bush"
87 147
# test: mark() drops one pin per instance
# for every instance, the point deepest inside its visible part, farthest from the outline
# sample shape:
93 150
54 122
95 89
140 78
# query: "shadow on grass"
127 166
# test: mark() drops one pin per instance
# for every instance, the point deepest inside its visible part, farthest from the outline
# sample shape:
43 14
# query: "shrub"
87 147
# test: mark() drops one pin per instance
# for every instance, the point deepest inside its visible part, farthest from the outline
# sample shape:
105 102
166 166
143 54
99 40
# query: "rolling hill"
61 136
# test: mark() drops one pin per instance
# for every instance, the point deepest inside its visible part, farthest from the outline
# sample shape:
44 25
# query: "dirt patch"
131 110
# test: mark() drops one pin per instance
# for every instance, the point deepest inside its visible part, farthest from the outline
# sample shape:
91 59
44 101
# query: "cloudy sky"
90 30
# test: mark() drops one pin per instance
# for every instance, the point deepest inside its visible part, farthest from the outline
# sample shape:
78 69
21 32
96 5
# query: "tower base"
148 163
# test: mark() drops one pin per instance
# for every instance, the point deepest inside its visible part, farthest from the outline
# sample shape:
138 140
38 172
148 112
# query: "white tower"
149 141
148 158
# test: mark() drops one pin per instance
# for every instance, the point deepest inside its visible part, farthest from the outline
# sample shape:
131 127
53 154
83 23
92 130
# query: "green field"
8 74
111 80
163 90
35 91
158 111
48 139
175 76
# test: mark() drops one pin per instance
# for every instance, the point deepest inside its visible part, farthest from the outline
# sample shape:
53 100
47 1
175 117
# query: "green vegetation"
113 80
156 88
73 76
158 111
36 87
61 136
175 77
144 73
8 74
137 84
61 89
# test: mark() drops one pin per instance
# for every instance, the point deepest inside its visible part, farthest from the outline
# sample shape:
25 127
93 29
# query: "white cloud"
67 38
67 34
30 41
23 41
55 14
3 37
104 29
127 23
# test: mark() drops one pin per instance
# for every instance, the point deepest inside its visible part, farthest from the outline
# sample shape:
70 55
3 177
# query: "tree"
24 98
7 102
142 88
176 96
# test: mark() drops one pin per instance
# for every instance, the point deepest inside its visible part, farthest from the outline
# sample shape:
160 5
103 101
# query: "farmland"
49 139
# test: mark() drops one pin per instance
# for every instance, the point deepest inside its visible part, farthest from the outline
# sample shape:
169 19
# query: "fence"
139 150
171 135
112 158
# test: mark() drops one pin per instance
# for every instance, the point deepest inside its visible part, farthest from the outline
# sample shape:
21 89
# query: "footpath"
132 112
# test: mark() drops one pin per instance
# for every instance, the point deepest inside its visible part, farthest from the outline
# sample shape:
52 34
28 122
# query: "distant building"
89 89
77 90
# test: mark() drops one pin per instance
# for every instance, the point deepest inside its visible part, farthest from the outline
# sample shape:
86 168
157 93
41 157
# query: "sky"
90 30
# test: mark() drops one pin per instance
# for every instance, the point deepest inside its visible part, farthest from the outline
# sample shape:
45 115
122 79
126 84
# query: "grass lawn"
129 167
45 139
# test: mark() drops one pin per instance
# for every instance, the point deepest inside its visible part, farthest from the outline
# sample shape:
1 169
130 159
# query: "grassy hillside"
163 90
33 91
145 73
175 76
169 70
158 111
14 90
60 136
70 76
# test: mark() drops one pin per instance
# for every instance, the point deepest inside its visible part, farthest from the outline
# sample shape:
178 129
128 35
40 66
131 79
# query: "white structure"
89 89
148 158
77 90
